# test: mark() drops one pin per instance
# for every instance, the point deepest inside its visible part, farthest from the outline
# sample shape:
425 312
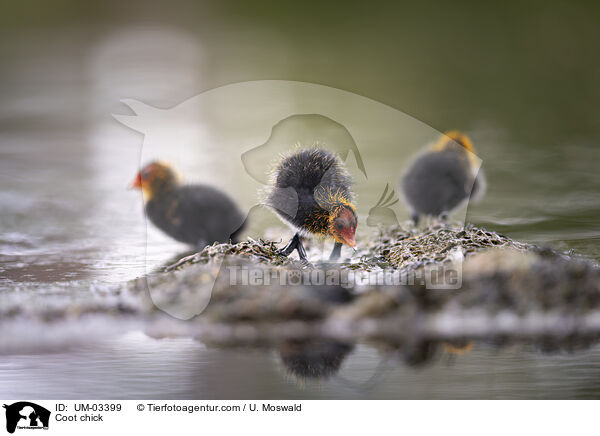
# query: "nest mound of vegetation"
400 248
504 288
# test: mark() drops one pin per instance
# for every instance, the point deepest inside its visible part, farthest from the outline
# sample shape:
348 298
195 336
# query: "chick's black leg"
295 244
301 250
337 251
291 246
415 218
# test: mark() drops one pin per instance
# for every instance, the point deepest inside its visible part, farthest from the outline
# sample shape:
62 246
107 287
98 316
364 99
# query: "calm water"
134 366
68 223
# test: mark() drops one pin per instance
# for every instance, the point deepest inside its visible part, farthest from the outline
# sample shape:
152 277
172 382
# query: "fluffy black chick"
311 191
194 214
440 180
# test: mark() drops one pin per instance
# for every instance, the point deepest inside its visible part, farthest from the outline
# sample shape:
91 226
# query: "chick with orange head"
311 191
440 180
197 215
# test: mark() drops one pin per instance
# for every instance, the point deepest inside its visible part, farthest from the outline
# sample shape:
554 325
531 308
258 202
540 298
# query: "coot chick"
194 214
310 191
440 180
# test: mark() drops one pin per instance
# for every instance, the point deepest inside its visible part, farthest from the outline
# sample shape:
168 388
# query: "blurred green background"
531 66
523 79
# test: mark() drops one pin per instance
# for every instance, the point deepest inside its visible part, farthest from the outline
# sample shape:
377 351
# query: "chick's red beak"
351 242
348 236
137 182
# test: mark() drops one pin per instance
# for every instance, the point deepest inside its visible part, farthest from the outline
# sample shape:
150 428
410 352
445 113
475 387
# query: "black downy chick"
440 180
311 192
194 214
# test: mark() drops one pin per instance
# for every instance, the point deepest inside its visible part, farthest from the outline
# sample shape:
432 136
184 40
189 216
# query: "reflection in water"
323 358
136 366
420 353
458 347
317 358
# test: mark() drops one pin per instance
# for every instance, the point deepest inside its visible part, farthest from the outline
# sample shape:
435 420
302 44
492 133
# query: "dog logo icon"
26 415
